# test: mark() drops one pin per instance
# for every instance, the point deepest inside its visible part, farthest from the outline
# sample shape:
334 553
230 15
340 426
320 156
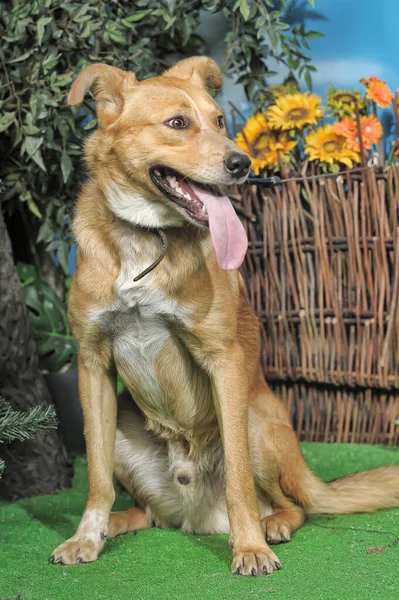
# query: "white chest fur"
139 325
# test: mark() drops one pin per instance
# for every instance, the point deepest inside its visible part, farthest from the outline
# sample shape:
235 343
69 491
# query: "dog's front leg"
98 398
251 554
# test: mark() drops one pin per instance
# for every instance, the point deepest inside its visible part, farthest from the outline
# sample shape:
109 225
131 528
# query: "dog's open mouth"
206 205
181 190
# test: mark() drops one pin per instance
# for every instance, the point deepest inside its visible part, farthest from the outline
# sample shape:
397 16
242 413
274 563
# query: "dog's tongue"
227 232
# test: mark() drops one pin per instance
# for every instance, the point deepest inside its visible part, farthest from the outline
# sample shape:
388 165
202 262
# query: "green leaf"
66 166
41 28
138 16
32 144
6 120
30 129
308 80
314 35
26 273
37 106
46 234
22 57
274 38
62 254
49 324
38 158
79 13
50 61
118 38
34 208
311 2
245 10
91 124
87 30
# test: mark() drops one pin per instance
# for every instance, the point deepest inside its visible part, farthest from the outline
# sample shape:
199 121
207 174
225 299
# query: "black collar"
164 239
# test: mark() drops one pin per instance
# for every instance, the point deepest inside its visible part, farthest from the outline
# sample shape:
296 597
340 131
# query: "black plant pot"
65 394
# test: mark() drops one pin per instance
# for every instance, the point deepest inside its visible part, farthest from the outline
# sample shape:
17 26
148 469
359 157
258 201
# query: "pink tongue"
227 232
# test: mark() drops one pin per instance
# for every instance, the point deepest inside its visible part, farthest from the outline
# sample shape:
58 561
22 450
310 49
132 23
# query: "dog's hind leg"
126 521
278 526
277 463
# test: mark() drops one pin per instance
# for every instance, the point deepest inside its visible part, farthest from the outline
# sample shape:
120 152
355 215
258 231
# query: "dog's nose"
238 164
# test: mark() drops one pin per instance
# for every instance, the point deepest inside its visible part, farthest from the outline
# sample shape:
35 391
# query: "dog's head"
161 152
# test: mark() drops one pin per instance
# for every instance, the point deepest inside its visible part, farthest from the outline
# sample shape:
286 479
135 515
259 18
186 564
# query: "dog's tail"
366 491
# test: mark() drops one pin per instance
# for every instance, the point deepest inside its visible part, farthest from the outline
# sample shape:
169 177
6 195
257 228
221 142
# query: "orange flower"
371 129
346 127
378 91
371 132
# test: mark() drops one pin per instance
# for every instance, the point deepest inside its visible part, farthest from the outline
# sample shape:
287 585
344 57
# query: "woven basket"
322 272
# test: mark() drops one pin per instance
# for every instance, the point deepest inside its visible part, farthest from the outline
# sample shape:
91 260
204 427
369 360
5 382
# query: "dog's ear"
198 69
108 86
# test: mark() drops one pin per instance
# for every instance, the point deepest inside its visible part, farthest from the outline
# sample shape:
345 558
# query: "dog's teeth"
187 196
157 173
203 209
172 181
179 190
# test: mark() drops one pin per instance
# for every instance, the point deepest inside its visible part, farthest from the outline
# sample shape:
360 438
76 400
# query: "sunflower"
294 111
371 130
378 91
263 145
343 102
282 90
325 145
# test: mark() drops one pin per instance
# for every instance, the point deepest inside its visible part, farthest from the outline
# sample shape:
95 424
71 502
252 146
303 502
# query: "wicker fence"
323 276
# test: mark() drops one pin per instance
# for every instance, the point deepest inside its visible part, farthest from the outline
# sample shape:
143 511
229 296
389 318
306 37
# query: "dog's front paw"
255 562
75 551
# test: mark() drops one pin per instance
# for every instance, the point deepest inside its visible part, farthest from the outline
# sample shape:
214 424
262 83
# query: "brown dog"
183 336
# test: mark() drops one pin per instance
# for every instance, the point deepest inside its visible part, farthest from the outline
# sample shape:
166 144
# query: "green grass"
328 559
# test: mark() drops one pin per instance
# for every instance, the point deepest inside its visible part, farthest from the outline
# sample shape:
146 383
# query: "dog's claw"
261 562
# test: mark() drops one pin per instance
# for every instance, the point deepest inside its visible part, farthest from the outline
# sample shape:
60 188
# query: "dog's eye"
220 122
177 123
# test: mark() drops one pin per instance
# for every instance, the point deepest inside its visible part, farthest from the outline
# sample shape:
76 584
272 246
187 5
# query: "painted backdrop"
361 39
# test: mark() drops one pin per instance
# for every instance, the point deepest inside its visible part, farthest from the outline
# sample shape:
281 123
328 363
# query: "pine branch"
19 426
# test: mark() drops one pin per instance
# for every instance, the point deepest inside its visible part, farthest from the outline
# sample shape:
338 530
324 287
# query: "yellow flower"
282 90
263 145
343 102
294 111
325 145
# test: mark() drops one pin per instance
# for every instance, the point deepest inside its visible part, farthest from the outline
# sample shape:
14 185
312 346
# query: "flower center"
297 114
261 144
332 146
345 98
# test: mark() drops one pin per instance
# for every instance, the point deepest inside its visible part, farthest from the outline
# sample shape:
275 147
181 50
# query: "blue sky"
361 39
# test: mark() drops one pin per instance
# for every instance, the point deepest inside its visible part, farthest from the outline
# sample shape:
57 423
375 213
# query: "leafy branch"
45 43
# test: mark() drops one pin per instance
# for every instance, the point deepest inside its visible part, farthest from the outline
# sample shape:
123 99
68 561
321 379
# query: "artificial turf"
353 557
